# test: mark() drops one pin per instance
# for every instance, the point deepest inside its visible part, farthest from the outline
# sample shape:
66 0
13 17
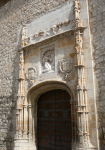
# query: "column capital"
24 105
30 105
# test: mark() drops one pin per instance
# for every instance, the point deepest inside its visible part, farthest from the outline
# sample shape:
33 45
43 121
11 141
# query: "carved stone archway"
36 91
32 98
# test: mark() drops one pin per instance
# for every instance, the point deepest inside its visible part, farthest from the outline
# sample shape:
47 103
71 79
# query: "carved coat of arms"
31 75
65 66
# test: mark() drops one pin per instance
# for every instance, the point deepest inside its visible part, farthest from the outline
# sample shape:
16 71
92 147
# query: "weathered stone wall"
97 26
12 15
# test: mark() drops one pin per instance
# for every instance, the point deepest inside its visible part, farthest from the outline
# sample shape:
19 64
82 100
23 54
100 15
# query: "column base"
83 146
23 143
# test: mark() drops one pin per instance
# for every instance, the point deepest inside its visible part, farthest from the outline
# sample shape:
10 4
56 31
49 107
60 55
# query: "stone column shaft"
20 101
30 119
25 121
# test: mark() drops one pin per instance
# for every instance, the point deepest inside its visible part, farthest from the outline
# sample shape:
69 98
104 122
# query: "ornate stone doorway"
54 127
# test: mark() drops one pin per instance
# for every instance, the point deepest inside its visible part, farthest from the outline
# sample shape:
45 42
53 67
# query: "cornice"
51 39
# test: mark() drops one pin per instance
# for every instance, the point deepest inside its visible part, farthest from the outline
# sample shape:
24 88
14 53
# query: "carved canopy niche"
48 59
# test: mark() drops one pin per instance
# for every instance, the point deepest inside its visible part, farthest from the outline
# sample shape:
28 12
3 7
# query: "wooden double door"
54 121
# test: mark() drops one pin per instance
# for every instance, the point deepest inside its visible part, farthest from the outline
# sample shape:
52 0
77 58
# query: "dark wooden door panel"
54 121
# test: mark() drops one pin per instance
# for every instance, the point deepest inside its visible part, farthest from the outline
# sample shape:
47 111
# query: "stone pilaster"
21 95
81 90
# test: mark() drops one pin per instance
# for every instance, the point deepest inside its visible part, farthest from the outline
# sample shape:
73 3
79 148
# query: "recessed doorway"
54 127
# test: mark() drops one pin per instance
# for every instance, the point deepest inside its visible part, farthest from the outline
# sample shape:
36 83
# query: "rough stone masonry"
97 29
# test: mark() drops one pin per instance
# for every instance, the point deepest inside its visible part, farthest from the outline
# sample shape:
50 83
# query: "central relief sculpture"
48 59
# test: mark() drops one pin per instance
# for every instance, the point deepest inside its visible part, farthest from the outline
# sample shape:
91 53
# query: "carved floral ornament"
64 67
55 29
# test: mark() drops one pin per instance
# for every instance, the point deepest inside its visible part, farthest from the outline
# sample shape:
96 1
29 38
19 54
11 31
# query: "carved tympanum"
65 66
47 59
31 75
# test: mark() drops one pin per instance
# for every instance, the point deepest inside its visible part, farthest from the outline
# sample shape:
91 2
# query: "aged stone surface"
48 59
97 27
64 67
31 75
13 15
2 2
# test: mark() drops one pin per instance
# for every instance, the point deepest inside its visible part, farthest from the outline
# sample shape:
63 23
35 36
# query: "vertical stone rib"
72 118
30 120
21 92
25 120
82 112
33 127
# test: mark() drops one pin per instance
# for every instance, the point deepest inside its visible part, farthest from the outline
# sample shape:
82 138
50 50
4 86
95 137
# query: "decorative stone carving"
31 75
21 92
25 39
24 42
47 59
31 37
66 23
65 66
77 21
81 90
35 36
41 32
47 33
53 28
57 28
59 25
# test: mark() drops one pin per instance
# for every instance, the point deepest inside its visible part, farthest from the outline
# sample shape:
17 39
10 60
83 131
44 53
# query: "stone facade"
13 15
97 29
20 65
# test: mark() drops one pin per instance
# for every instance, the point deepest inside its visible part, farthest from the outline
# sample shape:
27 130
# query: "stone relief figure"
47 65
31 75
64 67
48 61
